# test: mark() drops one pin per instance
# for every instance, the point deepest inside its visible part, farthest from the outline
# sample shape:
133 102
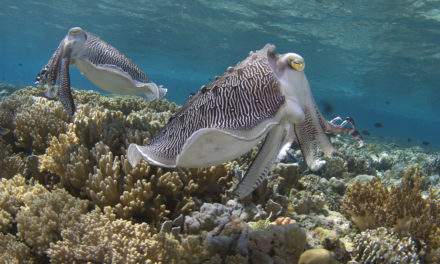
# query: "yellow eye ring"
297 64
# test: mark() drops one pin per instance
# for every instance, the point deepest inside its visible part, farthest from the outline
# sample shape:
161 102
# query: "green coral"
317 256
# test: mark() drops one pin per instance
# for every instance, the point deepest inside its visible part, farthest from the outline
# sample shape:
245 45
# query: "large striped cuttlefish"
267 98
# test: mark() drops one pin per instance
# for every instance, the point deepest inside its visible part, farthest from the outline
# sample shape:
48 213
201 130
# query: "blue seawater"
378 61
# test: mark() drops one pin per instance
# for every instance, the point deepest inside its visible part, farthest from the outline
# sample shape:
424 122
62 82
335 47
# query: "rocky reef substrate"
68 194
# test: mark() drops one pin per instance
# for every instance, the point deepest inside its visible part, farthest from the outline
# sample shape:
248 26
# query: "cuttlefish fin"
64 91
152 90
263 162
313 140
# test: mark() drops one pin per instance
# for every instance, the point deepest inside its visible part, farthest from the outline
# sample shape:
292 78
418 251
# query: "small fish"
387 102
425 143
100 62
378 125
327 107
408 139
365 132
20 64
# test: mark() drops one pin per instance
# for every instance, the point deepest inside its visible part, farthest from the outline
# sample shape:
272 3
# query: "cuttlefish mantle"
267 98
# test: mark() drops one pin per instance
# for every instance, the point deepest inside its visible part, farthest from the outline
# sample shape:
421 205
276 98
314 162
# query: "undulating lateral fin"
134 156
263 162
136 153
64 92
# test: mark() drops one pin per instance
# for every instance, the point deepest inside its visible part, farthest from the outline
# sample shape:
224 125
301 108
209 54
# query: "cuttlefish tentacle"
262 164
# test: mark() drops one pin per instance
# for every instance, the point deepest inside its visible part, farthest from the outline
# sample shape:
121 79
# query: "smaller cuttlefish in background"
100 62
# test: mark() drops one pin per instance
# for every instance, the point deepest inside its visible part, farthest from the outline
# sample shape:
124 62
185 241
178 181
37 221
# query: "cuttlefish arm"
262 164
49 74
64 92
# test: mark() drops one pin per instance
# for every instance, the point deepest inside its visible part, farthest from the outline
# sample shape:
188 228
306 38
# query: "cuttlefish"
267 98
100 62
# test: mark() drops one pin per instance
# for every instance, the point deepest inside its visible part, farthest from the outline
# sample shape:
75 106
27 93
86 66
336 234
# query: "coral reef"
382 246
43 216
14 251
100 237
401 207
72 175
38 122
317 256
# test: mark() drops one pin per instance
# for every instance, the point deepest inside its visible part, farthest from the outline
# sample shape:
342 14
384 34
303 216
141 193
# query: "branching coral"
13 251
36 123
12 196
68 159
94 124
402 208
10 163
147 191
43 216
100 237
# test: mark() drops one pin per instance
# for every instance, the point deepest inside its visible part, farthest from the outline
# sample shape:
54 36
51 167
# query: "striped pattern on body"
98 52
239 100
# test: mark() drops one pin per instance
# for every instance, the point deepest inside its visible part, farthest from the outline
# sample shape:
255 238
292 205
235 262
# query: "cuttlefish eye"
297 63
75 31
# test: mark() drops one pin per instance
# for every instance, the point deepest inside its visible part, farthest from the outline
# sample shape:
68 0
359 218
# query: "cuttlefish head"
288 69
74 41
